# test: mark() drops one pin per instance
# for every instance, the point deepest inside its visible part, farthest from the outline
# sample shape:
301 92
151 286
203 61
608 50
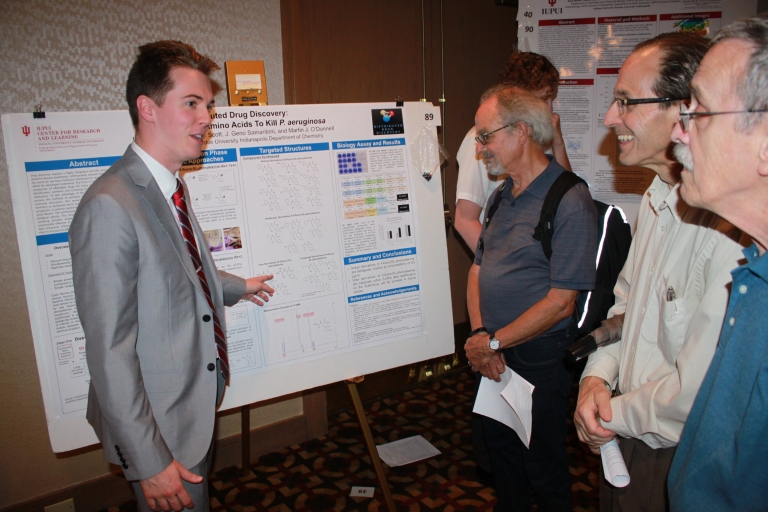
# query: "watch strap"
477 331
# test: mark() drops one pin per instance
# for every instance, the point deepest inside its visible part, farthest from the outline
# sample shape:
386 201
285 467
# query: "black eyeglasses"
686 116
482 138
623 102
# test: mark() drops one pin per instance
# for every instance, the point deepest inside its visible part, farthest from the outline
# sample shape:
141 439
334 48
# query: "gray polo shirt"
514 272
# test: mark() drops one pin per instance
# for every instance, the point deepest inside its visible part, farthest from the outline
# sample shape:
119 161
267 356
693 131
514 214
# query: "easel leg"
363 420
245 428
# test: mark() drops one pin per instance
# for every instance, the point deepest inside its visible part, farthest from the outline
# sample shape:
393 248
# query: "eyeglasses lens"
684 117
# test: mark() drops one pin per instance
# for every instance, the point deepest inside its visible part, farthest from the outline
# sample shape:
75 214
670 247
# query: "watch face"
494 344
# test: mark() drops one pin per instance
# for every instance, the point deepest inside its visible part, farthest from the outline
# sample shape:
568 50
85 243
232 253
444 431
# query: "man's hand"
558 140
164 491
257 291
558 144
478 352
494 368
594 404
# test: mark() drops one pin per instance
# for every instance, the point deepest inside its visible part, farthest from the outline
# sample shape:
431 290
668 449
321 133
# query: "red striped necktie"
189 240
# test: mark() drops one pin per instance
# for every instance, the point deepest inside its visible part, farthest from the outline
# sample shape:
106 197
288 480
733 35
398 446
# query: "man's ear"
522 132
146 107
762 156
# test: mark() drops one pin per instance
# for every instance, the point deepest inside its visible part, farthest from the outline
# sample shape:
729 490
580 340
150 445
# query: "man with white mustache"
722 458
521 302
672 289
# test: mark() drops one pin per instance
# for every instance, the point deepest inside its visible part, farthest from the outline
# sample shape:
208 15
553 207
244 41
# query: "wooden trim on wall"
113 490
286 25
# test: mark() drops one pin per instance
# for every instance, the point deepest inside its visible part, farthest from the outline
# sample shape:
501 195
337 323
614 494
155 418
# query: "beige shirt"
674 289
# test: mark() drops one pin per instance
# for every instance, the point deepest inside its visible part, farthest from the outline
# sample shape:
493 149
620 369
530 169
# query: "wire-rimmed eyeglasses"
686 116
482 138
623 102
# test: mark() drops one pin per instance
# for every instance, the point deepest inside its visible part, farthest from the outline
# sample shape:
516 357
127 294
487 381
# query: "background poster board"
587 41
325 197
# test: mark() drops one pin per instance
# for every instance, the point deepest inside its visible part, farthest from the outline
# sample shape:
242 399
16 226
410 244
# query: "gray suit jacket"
148 327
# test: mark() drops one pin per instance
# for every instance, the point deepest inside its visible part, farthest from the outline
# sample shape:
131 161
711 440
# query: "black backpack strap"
491 211
546 227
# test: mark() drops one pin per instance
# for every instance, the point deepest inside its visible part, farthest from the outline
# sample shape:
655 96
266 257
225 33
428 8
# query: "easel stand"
372 452
245 424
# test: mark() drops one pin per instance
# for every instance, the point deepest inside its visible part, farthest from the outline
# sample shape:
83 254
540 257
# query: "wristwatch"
493 343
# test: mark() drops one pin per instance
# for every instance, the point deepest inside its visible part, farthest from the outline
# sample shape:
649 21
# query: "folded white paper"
614 468
508 402
405 451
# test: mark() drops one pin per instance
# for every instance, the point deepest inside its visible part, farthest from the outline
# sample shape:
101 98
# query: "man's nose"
612 117
679 135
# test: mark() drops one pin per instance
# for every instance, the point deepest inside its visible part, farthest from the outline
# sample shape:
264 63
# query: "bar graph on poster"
324 197
588 41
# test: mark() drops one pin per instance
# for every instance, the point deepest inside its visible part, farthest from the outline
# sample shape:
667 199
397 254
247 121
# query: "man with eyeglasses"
535 74
520 302
722 459
672 289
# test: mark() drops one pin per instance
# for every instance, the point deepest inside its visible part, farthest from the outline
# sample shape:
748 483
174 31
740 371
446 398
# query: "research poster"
324 197
587 41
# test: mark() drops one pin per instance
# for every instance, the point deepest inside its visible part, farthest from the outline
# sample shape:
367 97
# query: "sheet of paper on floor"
405 451
508 401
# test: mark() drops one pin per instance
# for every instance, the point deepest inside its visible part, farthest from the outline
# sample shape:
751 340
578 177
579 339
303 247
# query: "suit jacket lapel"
153 196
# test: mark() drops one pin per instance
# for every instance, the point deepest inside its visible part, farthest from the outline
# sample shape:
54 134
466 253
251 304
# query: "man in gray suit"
148 294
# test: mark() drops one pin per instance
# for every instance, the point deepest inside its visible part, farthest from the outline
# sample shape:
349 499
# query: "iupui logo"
552 2
25 130
387 121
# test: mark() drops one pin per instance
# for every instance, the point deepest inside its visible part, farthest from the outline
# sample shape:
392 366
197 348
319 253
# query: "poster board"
588 41
325 197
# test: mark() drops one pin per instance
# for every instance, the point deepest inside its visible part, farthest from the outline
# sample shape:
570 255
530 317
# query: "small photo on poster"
215 240
232 239
351 162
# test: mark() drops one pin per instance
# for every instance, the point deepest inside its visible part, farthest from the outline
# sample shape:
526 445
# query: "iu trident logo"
552 2
25 130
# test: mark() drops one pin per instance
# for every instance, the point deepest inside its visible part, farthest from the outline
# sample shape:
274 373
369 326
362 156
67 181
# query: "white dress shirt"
166 180
674 289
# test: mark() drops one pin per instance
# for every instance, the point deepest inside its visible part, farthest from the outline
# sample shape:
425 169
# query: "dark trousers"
647 490
543 467
479 450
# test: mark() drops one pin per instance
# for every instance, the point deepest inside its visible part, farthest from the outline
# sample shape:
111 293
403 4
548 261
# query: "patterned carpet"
317 475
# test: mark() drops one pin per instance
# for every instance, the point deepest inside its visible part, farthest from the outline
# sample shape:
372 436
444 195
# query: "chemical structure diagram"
322 275
289 186
297 234
322 325
284 281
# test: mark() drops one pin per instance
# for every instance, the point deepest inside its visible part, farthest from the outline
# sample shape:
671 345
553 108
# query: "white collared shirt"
165 179
673 289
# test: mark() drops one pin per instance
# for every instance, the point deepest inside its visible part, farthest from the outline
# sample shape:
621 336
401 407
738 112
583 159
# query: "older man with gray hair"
520 301
722 459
